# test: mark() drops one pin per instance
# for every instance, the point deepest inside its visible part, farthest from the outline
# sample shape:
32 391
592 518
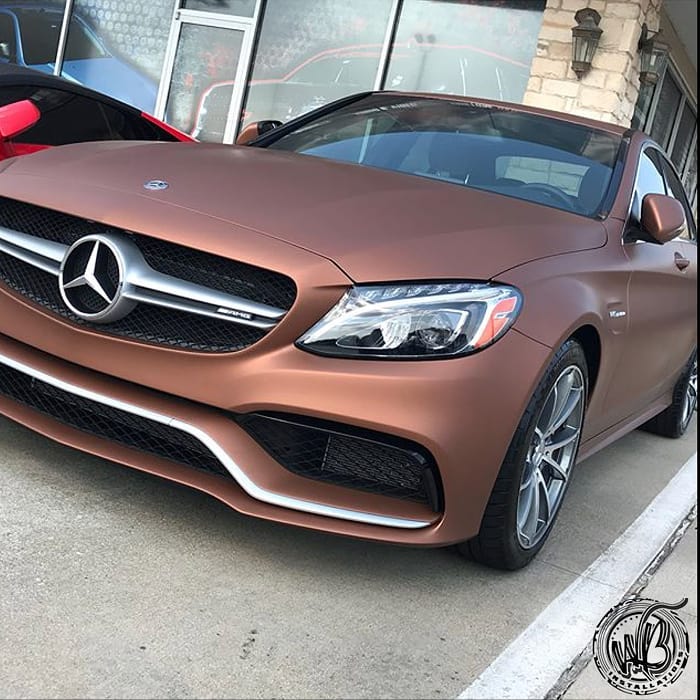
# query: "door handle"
681 262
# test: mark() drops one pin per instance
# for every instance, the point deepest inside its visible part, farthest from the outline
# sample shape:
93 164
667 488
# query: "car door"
688 238
661 307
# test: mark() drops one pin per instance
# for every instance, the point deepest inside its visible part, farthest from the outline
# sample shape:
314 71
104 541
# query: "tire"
674 421
508 537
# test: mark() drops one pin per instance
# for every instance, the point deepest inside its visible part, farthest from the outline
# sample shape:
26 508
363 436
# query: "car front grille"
108 422
347 456
148 324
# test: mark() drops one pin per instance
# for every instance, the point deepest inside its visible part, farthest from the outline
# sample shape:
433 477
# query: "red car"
64 113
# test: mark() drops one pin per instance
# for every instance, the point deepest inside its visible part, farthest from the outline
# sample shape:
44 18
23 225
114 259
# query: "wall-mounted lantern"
654 53
586 35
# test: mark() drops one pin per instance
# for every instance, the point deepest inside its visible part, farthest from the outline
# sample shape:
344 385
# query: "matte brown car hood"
376 225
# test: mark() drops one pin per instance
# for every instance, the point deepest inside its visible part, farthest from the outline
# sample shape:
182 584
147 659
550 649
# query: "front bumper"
462 411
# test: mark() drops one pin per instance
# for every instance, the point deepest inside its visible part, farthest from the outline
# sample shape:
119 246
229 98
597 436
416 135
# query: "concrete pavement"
114 583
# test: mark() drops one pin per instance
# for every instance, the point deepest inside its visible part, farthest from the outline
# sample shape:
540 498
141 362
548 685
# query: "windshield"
40 31
536 158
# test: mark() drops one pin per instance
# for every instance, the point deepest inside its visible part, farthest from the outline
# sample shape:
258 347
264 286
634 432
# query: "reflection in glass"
642 107
37 33
684 136
666 110
118 48
512 153
482 50
308 54
242 8
691 179
205 57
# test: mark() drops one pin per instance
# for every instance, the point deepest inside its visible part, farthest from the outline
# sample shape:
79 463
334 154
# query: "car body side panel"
642 307
662 328
562 295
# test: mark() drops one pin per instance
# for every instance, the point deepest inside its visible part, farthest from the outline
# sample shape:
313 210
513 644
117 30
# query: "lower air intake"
108 422
346 456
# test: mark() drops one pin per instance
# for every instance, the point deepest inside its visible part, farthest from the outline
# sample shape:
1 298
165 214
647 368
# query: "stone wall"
609 90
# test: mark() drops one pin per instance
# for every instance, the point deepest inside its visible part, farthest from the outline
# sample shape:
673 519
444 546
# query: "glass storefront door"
208 47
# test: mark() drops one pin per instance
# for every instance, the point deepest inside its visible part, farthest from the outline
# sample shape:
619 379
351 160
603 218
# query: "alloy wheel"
550 456
690 400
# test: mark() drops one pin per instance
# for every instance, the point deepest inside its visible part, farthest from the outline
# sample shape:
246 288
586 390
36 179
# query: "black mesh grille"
147 323
361 460
107 422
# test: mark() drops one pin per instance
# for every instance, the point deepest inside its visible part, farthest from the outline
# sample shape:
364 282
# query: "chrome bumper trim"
243 480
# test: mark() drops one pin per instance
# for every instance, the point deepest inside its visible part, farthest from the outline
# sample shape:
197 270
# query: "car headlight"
414 320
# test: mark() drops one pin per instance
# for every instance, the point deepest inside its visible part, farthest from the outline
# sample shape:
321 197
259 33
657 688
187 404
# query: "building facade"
211 66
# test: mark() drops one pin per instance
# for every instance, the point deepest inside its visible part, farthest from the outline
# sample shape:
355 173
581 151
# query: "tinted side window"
649 181
69 118
675 189
72 120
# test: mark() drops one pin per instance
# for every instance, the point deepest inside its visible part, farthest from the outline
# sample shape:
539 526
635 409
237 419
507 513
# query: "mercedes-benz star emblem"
91 279
156 185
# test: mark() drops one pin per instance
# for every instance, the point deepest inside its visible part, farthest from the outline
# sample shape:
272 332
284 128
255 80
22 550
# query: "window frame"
668 167
660 161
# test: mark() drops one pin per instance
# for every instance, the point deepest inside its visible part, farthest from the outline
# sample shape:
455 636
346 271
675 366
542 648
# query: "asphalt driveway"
114 583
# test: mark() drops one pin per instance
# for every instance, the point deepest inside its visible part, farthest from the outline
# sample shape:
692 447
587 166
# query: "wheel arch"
589 338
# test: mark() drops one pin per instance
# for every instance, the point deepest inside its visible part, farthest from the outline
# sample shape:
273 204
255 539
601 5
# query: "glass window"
39 30
649 181
642 108
241 8
675 189
673 125
206 57
666 110
70 118
684 137
691 177
541 160
118 48
312 53
8 40
82 43
520 170
465 48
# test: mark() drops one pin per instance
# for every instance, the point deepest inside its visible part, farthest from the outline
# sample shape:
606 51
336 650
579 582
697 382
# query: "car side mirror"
255 129
663 218
16 118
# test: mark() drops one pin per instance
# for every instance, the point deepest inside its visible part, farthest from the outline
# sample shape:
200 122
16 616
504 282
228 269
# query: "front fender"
568 292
